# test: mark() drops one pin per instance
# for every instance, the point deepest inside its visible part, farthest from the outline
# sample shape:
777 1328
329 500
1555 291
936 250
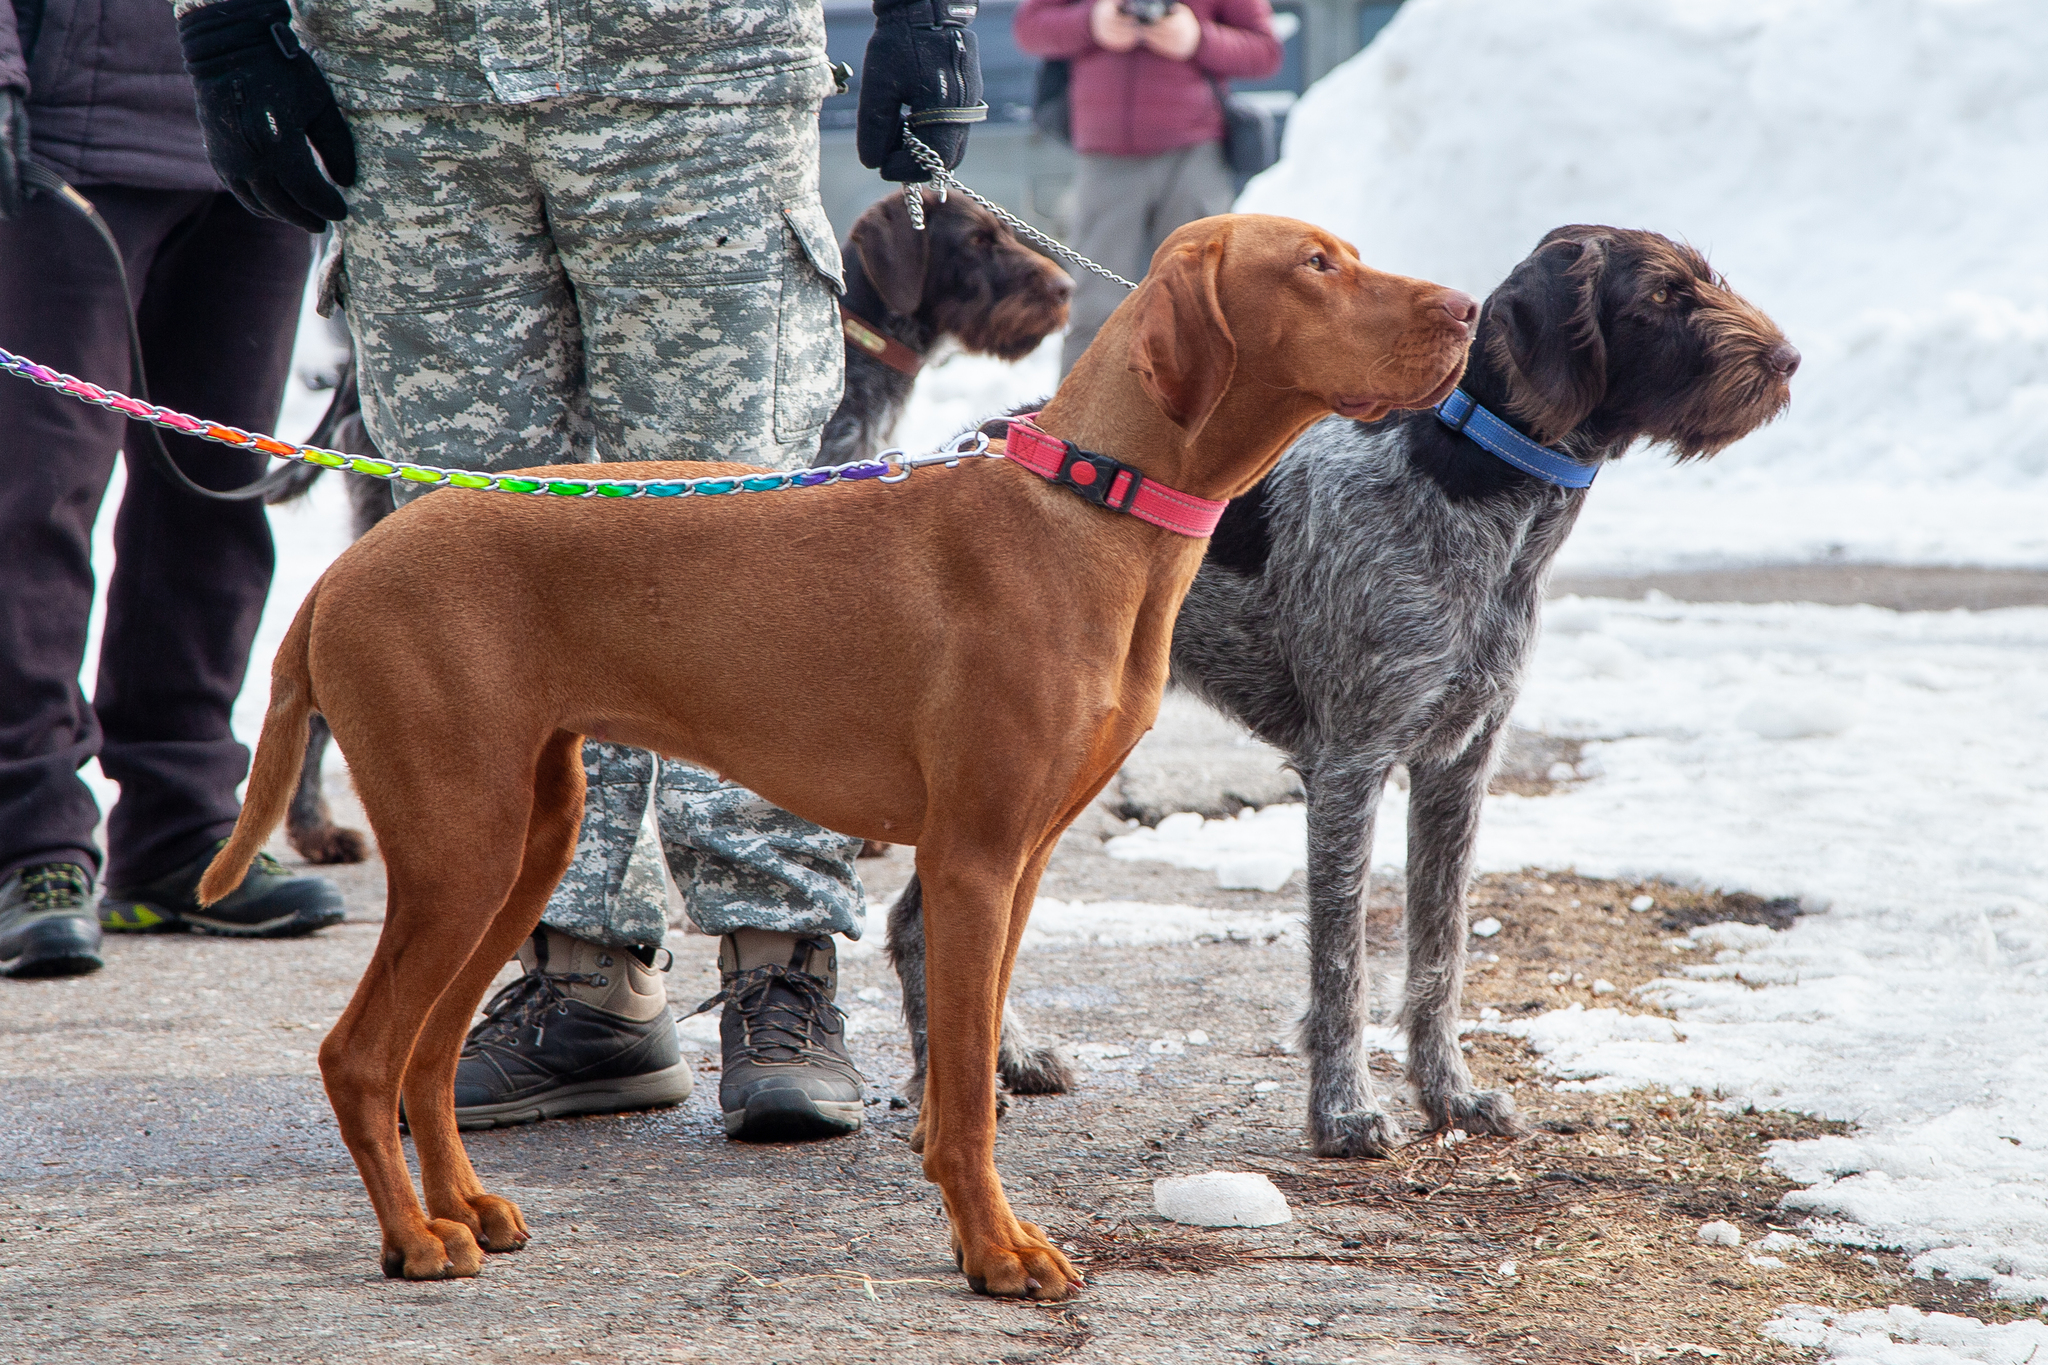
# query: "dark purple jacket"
108 99
1139 103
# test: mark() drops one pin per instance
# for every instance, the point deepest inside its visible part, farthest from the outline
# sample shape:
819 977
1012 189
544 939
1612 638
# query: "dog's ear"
893 253
1543 328
1181 347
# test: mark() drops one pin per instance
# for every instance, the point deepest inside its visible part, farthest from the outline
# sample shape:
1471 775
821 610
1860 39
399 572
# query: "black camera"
1144 11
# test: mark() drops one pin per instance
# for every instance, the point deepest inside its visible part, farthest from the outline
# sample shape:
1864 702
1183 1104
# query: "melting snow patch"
1907 1336
1220 1199
1720 1234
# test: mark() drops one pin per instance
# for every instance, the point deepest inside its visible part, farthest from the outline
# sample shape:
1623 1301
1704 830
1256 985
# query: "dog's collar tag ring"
1109 482
1461 413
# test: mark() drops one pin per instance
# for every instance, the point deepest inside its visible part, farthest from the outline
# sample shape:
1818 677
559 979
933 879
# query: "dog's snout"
1783 359
1462 306
1060 286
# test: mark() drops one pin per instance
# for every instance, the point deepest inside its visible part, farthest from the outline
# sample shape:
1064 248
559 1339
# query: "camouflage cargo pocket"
809 355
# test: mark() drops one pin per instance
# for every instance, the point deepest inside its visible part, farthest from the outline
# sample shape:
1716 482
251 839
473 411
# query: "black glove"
261 99
922 55
14 192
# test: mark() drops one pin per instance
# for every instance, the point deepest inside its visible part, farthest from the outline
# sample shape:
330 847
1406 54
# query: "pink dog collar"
1109 482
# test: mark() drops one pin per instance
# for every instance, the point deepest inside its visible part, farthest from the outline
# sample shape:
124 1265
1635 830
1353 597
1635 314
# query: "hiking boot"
786 1074
586 1030
47 926
270 903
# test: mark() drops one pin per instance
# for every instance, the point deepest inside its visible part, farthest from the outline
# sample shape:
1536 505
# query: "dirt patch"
1579 1242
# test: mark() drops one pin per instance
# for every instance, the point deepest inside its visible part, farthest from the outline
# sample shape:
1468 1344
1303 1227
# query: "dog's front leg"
969 907
1443 821
1345 1116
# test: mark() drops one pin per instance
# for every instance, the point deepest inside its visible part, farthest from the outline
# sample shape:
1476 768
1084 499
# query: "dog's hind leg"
1345 1116
309 824
1443 821
447 1179
1026 1066
450 864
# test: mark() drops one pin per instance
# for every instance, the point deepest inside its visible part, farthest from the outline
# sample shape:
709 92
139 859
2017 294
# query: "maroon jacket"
1139 103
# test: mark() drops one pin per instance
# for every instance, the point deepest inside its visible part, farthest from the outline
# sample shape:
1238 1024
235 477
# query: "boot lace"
56 886
522 1004
778 1006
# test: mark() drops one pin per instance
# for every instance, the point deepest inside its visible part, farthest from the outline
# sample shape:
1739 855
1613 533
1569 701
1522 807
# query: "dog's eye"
1661 296
1316 262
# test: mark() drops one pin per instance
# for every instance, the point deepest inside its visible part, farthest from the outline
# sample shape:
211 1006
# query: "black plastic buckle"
1093 476
1457 424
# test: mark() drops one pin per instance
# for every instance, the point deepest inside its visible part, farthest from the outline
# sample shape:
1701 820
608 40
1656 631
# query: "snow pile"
1220 1199
1856 167
1906 1336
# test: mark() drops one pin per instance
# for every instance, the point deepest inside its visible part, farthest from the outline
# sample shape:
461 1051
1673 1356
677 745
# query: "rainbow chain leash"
768 481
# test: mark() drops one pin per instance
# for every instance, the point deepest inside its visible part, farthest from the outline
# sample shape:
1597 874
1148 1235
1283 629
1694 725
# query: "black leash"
45 179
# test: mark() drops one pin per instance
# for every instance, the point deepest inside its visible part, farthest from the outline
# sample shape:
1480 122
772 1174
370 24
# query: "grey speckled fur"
1375 602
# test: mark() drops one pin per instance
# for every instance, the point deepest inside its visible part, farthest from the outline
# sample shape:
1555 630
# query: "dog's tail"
279 752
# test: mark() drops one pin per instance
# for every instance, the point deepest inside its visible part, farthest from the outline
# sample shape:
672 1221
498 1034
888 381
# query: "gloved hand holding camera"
1166 27
922 56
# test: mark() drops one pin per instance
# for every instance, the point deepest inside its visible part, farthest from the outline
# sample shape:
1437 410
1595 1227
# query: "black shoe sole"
128 915
792 1116
624 1095
63 946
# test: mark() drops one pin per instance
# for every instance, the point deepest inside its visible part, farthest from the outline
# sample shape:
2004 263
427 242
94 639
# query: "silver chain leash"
945 180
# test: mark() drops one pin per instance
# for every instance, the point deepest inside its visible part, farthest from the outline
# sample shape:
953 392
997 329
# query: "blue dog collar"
1462 413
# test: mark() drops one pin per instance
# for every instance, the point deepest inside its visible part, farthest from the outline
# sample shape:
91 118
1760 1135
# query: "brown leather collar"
878 344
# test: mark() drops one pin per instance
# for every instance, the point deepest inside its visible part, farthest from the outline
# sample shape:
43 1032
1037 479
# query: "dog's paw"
1027 1266
502 1227
1478 1112
1036 1071
447 1252
327 844
1360 1132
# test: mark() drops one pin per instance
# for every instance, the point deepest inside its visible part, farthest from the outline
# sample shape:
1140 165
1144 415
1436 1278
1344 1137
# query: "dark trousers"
217 294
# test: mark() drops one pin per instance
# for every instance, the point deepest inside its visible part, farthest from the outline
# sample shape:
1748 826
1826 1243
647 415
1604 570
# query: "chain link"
946 180
891 466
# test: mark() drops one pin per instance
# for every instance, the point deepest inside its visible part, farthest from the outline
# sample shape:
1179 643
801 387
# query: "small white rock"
1253 872
870 995
1197 1038
1720 1234
1642 903
1265 1087
1508 1270
1602 986
1220 1199
1765 1262
1485 928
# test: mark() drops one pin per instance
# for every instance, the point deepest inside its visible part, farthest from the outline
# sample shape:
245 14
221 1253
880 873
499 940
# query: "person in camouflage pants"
593 232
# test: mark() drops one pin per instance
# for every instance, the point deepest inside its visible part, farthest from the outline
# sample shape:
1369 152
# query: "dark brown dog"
964 280
1010 638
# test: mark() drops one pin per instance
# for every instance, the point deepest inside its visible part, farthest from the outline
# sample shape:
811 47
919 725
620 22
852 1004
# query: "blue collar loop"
1462 413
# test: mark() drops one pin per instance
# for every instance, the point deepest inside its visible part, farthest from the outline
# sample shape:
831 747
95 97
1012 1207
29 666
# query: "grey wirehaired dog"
1374 602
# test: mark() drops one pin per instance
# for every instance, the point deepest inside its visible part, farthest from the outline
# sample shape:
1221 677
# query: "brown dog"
1009 638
